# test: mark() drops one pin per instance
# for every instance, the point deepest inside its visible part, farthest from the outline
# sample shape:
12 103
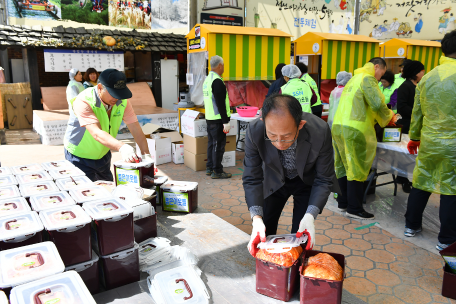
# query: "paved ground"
382 265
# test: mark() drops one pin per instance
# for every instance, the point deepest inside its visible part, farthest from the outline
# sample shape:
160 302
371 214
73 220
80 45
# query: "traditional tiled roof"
81 38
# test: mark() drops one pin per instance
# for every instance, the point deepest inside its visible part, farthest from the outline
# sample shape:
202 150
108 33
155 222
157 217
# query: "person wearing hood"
433 131
341 79
307 78
299 89
361 106
74 86
279 82
398 77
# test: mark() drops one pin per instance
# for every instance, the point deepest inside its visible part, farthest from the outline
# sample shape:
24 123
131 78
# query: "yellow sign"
37 7
298 17
416 19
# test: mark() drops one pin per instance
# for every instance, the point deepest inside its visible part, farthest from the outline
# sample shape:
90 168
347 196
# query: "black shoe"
209 171
215 175
407 187
362 215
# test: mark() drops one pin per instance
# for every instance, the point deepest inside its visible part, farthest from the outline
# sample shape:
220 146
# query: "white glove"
128 154
226 128
258 234
307 226
146 157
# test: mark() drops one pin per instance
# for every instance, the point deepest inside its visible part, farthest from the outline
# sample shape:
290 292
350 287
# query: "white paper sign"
304 59
65 60
51 132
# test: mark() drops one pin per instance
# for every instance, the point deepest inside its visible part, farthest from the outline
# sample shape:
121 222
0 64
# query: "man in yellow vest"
217 112
317 108
361 106
298 88
95 118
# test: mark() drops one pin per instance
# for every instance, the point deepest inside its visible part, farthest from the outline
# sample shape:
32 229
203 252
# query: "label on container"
175 201
391 134
127 177
53 301
451 261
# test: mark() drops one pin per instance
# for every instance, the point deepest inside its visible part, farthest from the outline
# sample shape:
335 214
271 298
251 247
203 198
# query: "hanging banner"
423 19
65 60
300 17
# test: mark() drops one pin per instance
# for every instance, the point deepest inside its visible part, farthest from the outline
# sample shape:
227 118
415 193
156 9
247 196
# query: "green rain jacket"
433 122
361 106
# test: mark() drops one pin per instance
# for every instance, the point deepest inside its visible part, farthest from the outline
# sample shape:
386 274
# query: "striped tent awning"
345 56
428 56
249 57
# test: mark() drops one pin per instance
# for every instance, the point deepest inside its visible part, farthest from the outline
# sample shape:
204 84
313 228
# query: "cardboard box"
195 145
177 150
198 145
230 143
197 162
160 150
193 124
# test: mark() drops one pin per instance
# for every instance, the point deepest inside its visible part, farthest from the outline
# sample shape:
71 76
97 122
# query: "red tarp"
251 93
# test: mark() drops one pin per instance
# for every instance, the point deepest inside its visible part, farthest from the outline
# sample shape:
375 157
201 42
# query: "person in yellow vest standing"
95 118
298 88
361 106
217 112
317 108
74 85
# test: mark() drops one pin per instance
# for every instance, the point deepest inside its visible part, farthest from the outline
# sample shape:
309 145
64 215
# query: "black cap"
116 83
404 62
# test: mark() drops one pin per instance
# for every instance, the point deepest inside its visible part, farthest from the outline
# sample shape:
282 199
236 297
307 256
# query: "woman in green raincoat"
361 106
433 131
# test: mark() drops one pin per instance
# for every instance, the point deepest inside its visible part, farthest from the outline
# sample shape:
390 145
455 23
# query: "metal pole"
357 16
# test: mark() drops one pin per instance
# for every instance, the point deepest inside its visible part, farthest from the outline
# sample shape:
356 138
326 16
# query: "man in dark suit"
287 153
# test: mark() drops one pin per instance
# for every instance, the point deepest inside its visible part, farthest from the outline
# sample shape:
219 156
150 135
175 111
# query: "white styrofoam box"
229 159
194 127
160 150
177 150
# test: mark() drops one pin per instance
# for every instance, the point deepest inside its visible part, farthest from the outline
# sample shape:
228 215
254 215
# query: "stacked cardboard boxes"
195 141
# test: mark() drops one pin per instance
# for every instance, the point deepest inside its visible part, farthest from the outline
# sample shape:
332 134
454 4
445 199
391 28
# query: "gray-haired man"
217 108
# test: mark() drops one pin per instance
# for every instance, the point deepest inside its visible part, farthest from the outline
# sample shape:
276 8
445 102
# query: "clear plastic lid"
13 206
110 186
160 180
107 209
84 265
121 254
7 180
17 226
3 298
33 177
126 192
66 172
63 288
149 246
181 284
89 193
57 165
26 168
176 186
28 190
29 263
5 171
124 165
71 182
282 243
9 192
65 218
51 200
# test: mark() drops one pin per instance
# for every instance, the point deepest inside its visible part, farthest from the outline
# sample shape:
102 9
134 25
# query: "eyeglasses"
282 141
